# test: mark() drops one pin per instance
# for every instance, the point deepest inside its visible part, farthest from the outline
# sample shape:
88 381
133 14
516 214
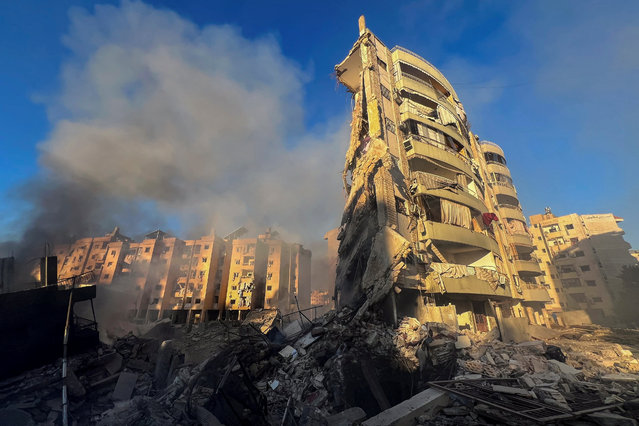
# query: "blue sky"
554 83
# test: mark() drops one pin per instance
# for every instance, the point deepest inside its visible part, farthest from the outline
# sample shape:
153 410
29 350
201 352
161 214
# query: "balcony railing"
426 179
500 183
439 145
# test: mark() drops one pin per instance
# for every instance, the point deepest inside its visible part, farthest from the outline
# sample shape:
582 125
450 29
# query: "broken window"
269 276
385 91
155 301
382 64
106 276
269 288
148 249
570 226
204 259
236 274
197 300
566 269
110 263
206 247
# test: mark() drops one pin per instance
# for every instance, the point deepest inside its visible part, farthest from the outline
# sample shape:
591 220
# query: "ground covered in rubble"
338 369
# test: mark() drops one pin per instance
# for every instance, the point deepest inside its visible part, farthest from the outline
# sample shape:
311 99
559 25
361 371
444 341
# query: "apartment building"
530 290
581 257
424 229
266 272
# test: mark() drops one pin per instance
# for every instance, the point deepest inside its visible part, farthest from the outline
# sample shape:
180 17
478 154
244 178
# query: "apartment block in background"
582 257
266 272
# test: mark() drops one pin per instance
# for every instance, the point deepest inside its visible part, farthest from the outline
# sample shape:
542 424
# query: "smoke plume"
161 122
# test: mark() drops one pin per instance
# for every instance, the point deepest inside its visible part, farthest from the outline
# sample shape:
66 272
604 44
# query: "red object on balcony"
489 217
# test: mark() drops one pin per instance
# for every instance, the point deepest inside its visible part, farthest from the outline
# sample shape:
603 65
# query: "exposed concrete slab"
347 417
124 387
406 412
610 419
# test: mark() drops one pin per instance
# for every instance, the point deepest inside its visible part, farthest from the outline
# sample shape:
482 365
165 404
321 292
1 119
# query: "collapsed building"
432 227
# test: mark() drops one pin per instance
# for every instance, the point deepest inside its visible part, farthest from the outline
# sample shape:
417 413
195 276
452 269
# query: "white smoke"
201 122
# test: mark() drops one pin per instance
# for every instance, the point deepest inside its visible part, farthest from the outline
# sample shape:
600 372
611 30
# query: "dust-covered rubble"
340 369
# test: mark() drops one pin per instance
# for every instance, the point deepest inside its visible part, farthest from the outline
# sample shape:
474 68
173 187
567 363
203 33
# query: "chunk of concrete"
347 417
610 419
620 377
514 391
113 363
74 385
404 413
288 352
124 387
536 347
564 369
462 342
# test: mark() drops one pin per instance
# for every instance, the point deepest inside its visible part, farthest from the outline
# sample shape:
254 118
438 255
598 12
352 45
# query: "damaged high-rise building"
432 226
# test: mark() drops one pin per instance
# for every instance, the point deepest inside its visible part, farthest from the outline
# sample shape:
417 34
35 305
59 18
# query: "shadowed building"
582 257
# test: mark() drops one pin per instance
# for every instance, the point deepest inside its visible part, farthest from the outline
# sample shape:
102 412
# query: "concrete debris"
340 369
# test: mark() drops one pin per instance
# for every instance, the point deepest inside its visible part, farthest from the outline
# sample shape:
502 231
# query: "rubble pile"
338 369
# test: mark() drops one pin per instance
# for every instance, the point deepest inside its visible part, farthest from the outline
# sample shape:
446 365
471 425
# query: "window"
385 91
579 297
382 64
492 157
539 238
110 264
189 299
235 275
597 299
591 283
565 269
269 276
238 249
237 262
269 287
269 301
80 257
570 226
158 287
104 245
106 276
201 274
585 268
148 249
197 300
204 259
579 253
234 287
571 282
206 247
232 301
155 301
193 274
390 125
270 263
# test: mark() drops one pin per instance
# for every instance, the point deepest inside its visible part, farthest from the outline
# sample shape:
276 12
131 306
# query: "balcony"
458 235
506 210
412 110
414 84
441 187
421 147
535 294
527 267
504 188
405 55
520 239
466 285
494 166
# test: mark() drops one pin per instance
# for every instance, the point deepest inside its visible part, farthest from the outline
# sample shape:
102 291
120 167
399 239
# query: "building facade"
266 272
188 280
582 257
422 232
